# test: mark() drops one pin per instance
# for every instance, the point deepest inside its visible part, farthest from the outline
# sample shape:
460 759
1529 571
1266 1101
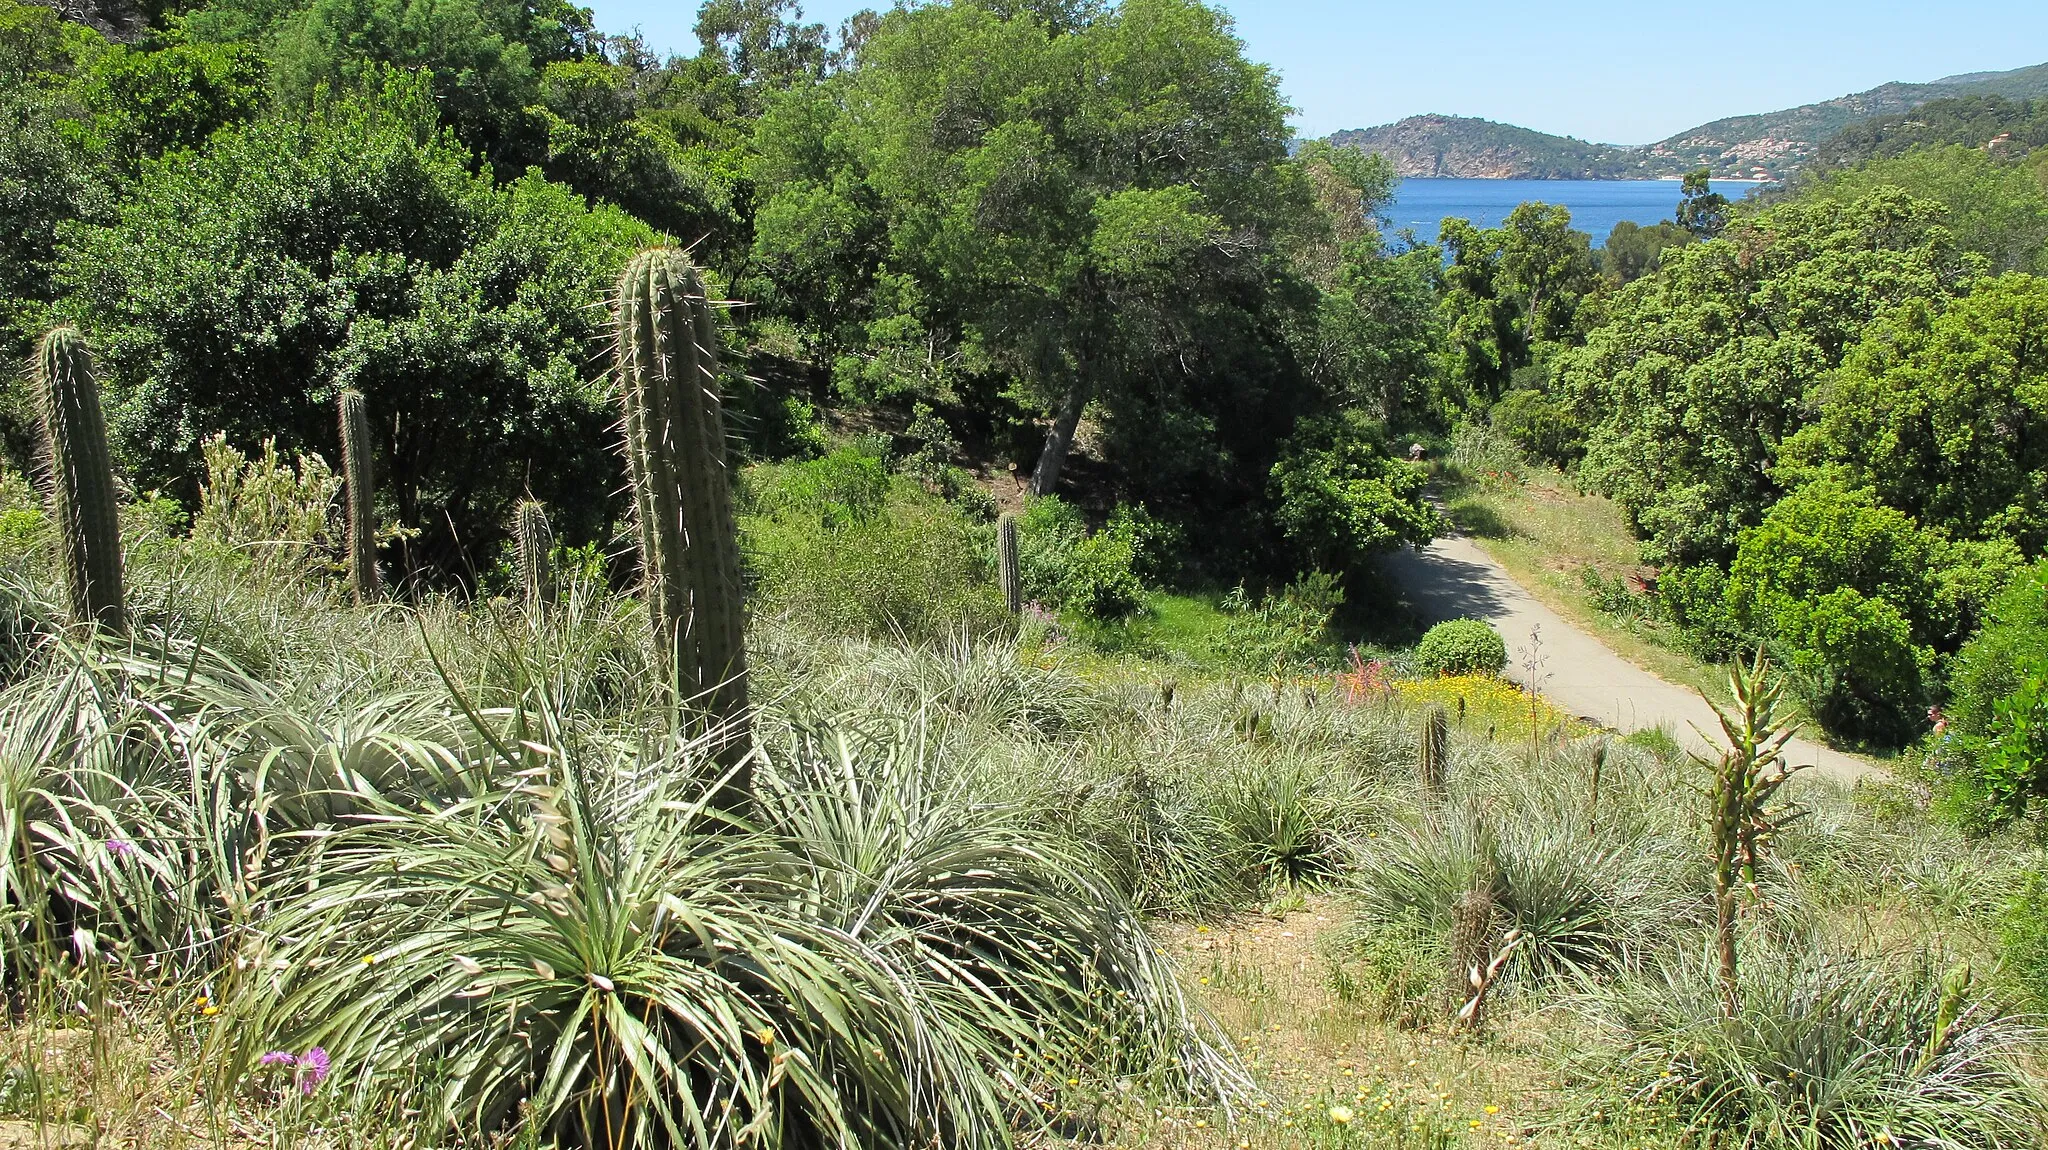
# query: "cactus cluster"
531 541
361 491
81 480
667 360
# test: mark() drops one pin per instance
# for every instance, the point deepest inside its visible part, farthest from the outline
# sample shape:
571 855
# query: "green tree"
1860 603
1702 211
1506 291
1080 207
1995 208
1696 376
1944 412
353 247
1633 251
1341 498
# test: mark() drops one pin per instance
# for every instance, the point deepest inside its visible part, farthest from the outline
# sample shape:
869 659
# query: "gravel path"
1452 578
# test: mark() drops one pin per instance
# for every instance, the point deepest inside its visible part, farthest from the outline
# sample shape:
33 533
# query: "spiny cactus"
1471 938
667 351
1006 564
531 540
81 479
362 493
1430 761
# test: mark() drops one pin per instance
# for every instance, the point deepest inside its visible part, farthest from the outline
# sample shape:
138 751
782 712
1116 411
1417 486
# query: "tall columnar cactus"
667 349
1431 757
81 480
362 493
1006 564
531 540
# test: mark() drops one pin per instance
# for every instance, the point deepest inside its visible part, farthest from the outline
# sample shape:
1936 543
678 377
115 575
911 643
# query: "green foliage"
2014 637
1504 292
1633 251
1824 1051
273 516
1858 602
1100 574
1974 122
1702 211
1995 208
1944 413
2023 931
906 564
144 103
1047 255
1698 374
1340 498
1275 632
1543 426
353 248
1461 647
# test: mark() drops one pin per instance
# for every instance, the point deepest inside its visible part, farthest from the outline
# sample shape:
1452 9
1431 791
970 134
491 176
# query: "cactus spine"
667 349
1006 564
81 480
1435 749
531 540
362 493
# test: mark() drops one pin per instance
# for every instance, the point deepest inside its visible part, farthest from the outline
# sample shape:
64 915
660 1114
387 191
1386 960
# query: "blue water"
1596 205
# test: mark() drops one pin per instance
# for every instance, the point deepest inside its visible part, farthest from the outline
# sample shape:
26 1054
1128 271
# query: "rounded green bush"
1462 647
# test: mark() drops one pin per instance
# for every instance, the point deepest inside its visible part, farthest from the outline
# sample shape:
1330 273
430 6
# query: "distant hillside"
1772 145
2008 128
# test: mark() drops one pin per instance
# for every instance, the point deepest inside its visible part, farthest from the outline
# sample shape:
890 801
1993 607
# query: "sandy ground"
1452 578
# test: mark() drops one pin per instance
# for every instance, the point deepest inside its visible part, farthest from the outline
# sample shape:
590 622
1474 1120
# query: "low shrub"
1461 647
1823 1053
2023 933
835 556
1340 497
1100 575
1264 636
1542 426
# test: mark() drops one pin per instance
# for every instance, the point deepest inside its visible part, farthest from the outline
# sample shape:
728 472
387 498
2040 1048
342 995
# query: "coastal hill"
1772 145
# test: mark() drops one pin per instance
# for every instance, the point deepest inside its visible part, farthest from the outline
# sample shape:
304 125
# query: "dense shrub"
1100 574
1859 604
1995 762
1340 498
1268 633
1461 647
1541 425
2024 934
832 552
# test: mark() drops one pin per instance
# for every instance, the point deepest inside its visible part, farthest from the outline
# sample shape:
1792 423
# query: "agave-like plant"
590 950
1823 1052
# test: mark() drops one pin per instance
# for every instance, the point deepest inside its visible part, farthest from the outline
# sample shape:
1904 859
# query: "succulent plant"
1433 753
1006 564
531 541
81 479
362 492
667 358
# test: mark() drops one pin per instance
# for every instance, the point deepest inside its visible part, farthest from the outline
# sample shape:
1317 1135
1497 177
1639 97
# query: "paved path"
1453 578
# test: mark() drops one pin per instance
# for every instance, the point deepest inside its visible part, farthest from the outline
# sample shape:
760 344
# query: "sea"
1596 205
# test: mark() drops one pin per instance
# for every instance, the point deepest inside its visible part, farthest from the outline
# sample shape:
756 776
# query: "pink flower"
313 1067
278 1058
120 848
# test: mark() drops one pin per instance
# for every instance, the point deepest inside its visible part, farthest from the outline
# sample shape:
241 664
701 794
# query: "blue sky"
1624 73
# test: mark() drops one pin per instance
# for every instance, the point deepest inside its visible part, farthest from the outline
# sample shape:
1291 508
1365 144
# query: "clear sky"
1605 70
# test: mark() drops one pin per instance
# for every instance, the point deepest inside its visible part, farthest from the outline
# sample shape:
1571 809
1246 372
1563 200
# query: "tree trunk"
1059 439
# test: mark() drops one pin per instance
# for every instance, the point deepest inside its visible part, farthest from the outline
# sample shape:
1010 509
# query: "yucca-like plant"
1822 1053
592 950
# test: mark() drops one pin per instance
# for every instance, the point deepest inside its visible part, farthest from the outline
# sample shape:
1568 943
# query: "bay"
1596 205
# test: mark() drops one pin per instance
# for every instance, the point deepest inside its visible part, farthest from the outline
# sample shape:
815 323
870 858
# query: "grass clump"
1825 1052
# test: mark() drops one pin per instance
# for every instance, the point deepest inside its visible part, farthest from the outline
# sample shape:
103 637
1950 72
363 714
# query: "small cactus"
81 480
1471 940
667 358
362 493
1434 751
1006 564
